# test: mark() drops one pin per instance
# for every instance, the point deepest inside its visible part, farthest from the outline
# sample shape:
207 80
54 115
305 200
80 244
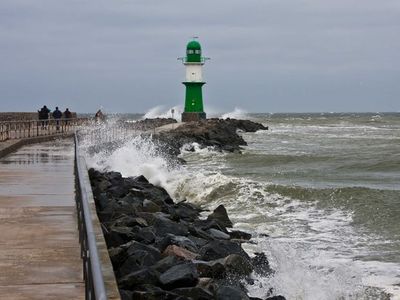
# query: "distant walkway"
39 246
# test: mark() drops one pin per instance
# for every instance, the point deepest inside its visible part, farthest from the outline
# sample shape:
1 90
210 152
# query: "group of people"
44 115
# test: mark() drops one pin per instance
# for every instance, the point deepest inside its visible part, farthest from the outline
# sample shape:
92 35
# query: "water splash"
237 113
161 112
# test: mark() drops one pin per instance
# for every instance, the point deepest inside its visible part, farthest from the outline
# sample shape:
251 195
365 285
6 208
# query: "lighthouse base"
193 116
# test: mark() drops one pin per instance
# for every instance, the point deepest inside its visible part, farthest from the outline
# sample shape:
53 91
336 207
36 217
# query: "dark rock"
114 177
279 297
136 261
118 235
145 235
126 295
195 293
163 226
151 192
221 216
198 232
134 246
220 249
117 191
199 242
173 250
230 293
129 221
143 276
209 223
117 256
237 264
206 283
210 269
166 263
241 235
102 201
180 241
261 264
187 211
233 264
134 199
148 217
183 275
140 179
150 206
218 234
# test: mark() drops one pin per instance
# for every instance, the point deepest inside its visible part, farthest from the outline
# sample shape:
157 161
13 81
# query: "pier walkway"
39 243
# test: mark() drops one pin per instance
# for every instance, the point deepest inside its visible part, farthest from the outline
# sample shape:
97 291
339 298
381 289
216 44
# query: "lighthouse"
193 63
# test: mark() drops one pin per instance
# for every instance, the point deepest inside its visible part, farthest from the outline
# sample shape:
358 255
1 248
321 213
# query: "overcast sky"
266 55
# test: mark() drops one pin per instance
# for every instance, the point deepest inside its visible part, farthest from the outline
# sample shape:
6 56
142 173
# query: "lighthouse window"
197 51
190 51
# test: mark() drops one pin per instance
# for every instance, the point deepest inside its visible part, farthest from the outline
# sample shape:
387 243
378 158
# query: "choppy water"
325 188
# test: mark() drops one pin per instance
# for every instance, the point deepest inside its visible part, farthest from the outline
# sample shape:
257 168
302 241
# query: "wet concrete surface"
39 244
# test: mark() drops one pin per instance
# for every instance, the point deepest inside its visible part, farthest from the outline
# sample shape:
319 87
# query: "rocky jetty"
218 133
161 249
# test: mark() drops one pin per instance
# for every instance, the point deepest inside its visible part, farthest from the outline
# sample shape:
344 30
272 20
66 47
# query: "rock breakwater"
218 133
161 249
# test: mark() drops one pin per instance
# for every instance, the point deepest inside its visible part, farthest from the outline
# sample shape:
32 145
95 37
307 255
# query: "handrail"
94 282
17 129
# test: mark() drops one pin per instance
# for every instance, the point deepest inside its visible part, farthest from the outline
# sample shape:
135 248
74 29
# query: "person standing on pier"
57 114
44 116
67 116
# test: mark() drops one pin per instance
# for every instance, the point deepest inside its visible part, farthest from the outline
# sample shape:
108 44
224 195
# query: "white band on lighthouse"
193 73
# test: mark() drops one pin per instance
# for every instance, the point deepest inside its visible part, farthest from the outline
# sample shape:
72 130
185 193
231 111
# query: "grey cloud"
272 55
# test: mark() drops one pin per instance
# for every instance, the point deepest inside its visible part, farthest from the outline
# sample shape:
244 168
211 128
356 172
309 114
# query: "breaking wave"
237 113
161 112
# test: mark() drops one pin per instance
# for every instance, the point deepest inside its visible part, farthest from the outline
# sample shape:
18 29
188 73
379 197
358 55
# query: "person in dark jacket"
57 115
67 116
44 116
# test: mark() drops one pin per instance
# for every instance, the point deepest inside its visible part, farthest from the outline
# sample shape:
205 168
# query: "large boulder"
183 275
135 246
220 216
142 276
116 236
166 263
220 249
181 241
163 226
261 264
136 261
144 235
179 252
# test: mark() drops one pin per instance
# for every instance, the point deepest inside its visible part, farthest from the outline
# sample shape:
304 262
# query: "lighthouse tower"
194 81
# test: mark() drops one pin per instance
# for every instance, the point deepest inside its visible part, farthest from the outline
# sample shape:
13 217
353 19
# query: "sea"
319 192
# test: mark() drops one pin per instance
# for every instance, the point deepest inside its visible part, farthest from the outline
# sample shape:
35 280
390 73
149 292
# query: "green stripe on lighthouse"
194 97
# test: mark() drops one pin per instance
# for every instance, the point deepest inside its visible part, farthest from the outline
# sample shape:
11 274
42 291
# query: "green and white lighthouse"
193 62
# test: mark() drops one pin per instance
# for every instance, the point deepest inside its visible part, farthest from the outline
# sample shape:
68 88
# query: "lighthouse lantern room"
193 82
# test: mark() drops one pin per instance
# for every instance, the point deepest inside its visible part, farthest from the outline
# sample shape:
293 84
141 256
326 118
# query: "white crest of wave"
237 113
161 112
136 156
297 280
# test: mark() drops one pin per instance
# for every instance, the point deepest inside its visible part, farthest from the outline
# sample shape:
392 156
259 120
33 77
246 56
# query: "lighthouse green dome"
193 51
193 45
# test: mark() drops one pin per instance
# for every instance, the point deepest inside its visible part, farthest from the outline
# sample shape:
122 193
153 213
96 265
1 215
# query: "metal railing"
31 128
94 282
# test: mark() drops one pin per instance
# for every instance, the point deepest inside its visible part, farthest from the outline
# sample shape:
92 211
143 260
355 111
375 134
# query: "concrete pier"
39 246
